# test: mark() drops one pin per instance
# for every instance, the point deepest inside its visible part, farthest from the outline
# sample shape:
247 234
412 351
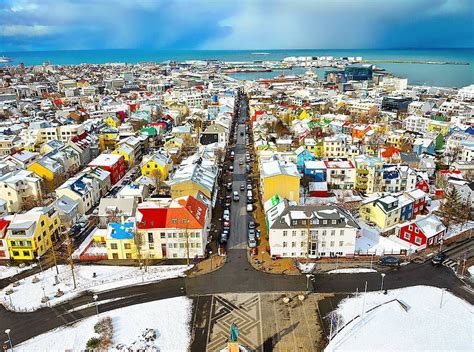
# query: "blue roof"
122 231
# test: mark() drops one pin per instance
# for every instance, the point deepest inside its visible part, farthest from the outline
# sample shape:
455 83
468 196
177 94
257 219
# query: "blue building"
406 208
316 169
303 155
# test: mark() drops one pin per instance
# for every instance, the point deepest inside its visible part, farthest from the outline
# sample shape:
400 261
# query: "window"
128 256
303 233
293 233
181 245
333 232
323 244
162 235
115 255
418 240
16 253
198 245
293 254
341 243
285 233
324 232
175 255
151 246
332 243
285 244
410 228
126 246
26 253
417 230
406 236
113 246
303 244
341 232
334 222
293 244
150 237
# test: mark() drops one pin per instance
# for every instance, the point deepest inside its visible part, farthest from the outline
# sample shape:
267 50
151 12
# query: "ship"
4 59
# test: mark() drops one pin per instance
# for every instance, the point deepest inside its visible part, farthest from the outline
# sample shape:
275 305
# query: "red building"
419 201
4 254
113 163
424 232
423 185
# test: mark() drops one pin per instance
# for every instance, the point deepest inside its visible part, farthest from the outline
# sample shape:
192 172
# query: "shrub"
93 343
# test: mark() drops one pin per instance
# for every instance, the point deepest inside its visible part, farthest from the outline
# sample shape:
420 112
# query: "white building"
331 230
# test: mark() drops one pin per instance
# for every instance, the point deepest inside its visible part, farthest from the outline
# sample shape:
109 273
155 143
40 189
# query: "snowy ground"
352 271
457 229
169 318
423 327
371 242
27 296
8 271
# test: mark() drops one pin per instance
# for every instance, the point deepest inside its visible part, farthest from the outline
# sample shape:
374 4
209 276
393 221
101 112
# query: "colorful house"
50 171
120 241
280 177
127 152
302 155
383 212
113 121
4 252
157 164
175 230
31 234
423 232
113 163
107 138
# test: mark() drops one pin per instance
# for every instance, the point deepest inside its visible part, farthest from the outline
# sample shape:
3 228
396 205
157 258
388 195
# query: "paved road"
236 276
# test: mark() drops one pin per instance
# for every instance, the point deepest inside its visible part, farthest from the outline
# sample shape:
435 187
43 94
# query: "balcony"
362 171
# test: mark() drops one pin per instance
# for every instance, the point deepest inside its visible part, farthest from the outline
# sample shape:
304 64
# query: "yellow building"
112 121
120 241
107 139
128 154
189 180
50 171
383 212
279 177
438 127
157 164
31 234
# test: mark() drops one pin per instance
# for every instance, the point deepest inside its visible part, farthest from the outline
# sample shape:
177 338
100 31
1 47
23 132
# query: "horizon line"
250 50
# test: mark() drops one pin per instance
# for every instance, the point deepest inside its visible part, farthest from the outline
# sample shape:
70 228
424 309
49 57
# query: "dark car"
389 261
438 258
251 224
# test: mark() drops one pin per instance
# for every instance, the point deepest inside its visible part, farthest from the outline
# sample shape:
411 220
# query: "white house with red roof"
175 229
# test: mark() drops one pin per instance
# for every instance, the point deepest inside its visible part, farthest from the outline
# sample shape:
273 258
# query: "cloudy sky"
234 24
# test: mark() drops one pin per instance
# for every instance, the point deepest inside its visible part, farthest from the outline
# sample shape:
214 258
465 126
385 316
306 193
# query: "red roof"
152 218
389 152
3 226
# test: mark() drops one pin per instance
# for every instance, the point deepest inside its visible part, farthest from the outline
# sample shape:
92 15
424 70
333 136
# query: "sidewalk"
208 265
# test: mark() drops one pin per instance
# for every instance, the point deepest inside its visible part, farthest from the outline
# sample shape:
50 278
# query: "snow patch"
397 320
168 319
28 294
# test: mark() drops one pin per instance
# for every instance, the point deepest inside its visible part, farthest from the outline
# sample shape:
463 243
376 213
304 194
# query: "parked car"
228 186
226 214
227 224
249 207
389 261
438 258
251 224
236 196
231 168
252 242
251 233
224 238
242 188
249 186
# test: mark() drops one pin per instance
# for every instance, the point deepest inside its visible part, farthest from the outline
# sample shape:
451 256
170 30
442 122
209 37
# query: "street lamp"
381 286
96 305
41 267
210 255
307 281
7 331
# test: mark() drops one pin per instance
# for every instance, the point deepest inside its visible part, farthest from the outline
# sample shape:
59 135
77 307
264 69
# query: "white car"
249 207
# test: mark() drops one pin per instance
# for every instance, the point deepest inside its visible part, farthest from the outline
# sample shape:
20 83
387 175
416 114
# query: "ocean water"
435 75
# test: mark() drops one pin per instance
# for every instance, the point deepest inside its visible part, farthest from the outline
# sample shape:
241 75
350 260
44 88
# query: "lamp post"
96 305
381 286
7 331
41 267
210 256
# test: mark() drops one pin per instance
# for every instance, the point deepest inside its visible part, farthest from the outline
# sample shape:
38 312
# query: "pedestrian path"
450 264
